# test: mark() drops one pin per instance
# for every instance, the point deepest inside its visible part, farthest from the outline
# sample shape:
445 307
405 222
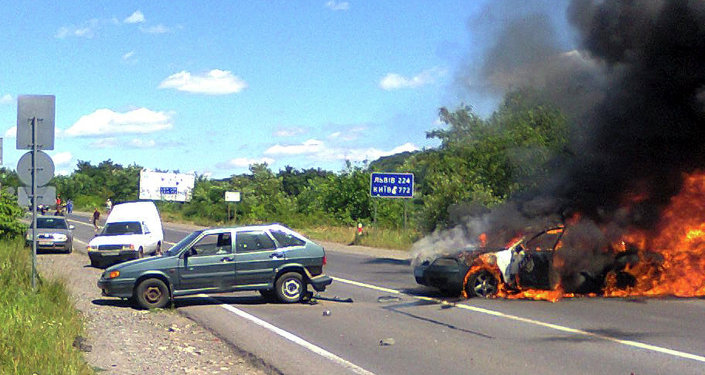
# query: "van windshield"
123 227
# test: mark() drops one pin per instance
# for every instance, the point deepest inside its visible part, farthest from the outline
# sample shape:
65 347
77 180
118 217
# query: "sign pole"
34 203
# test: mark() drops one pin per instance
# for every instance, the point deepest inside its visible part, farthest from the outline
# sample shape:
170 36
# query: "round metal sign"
44 165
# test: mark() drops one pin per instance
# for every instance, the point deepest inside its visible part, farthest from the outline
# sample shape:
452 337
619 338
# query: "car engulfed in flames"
666 260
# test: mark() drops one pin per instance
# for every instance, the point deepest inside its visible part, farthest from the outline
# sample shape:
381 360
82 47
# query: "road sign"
44 172
40 110
232 196
392 185
46 195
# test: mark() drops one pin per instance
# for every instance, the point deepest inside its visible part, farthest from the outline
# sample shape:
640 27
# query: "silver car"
53 234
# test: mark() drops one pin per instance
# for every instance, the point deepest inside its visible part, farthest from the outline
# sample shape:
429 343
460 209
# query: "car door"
257 257
208 264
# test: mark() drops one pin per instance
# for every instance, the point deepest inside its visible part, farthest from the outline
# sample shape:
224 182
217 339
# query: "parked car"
53 234
527 263
132 230
271 259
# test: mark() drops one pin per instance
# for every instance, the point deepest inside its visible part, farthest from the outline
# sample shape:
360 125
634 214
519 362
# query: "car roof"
271 226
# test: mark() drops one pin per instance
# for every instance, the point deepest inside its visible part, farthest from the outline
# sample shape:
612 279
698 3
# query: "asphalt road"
394 326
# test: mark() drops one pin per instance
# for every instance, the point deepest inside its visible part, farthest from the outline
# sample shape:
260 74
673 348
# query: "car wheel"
290 287
140 253
158 251
481 284
152 294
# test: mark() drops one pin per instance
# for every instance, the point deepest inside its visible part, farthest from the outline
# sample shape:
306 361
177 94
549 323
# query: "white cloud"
350 133
128 56
335 5
136 17
6 99
107 122
394 81
143 143
104 143
311 146
244 162
86 31
290 132
11 133
316 149
62 158
215 82
156 29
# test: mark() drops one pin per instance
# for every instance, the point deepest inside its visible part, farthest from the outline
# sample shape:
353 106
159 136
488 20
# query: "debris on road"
386 342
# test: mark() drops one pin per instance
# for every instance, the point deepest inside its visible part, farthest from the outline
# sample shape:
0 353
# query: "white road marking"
557 327
295 339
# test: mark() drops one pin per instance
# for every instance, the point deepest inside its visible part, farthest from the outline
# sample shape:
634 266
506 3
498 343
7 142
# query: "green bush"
10 213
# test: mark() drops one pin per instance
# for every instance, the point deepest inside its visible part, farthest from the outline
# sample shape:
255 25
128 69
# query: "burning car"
531 262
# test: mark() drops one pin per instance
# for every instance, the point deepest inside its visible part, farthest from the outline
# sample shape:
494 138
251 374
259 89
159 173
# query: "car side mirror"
189 253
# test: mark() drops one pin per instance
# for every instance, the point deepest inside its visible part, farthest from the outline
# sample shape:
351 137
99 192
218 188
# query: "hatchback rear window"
286 239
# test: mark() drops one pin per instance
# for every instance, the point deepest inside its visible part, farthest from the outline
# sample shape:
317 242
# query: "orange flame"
671 257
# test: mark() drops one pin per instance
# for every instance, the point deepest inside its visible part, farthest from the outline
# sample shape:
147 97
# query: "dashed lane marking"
634 344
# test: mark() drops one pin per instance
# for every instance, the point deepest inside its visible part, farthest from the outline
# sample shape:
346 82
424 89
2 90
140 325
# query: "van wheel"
140 253
158 251
152 294
290 287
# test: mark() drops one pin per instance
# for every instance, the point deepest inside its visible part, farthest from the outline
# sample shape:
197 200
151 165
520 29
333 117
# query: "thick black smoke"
649 127
634 91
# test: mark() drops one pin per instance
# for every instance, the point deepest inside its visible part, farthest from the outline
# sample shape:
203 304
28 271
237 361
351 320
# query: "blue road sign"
168 190
392 185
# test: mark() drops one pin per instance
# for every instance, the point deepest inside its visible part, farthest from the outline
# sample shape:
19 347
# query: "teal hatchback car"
271 259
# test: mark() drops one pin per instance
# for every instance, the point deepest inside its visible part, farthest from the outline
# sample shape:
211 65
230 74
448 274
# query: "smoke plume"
634 91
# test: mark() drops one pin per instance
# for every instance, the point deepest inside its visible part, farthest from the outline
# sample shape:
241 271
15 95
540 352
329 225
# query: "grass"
37 329
372 236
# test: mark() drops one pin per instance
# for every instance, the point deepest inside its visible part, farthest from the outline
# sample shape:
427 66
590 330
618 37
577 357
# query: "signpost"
392 185
232 196
35 131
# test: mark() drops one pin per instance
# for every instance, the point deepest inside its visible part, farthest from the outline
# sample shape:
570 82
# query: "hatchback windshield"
124 227
183 243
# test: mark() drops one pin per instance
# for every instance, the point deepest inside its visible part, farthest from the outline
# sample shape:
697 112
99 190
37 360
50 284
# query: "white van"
132 230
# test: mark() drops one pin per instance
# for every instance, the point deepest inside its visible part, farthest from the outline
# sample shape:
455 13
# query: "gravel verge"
120 339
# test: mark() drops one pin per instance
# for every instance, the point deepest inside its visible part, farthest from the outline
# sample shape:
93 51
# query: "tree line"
480 162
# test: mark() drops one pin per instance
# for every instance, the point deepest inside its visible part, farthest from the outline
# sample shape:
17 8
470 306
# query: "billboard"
166 186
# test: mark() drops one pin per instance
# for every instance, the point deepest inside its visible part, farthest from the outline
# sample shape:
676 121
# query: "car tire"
140 253
290 287
69 250
481 284
152 294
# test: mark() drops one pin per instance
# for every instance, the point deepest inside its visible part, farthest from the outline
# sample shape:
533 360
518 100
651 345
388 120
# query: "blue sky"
211 87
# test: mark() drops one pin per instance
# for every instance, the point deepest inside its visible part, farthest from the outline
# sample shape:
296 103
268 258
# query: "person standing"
96 216
108 205
69 206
